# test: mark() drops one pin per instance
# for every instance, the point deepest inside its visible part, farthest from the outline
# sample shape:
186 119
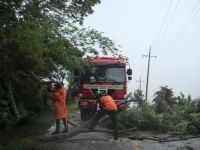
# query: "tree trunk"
11 100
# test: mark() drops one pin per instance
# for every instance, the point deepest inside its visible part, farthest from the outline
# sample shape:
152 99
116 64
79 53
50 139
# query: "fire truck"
103 73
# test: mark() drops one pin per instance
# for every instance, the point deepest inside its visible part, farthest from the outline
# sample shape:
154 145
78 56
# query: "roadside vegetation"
23 132
166 113
73 106
42 40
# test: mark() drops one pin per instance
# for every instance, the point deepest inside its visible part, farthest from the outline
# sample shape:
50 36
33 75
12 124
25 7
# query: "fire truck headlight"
80 95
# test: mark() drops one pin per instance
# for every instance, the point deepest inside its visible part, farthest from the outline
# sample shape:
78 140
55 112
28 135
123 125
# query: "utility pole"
140 81
147 82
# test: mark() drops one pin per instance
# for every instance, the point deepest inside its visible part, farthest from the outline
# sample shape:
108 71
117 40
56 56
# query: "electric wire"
183 29
162 25
187 23
169 23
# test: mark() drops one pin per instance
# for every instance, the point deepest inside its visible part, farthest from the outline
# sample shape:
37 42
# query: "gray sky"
171 27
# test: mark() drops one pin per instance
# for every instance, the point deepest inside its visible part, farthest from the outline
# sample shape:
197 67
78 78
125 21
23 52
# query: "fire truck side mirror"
129 72
129 78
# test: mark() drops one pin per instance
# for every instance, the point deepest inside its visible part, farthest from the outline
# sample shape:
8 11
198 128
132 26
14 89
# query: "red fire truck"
103 73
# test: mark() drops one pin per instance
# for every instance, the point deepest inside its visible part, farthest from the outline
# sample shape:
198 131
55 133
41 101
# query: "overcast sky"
171 27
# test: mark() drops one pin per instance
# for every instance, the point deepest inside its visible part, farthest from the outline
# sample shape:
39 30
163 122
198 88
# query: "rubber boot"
65 125
57 127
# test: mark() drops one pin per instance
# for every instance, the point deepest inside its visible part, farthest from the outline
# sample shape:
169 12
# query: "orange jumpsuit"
108 106
59 96
107 103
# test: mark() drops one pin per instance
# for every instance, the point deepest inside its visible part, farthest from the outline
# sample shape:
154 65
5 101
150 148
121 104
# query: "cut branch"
160 139
41 81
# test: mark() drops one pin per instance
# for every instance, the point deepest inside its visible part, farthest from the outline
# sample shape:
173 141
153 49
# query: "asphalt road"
103 141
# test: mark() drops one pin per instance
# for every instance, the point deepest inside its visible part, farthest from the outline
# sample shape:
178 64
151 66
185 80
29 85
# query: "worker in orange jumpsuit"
107 106
58 94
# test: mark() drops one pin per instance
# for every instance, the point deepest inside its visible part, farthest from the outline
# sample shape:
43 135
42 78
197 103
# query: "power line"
185 26
163 23
169 23
149 59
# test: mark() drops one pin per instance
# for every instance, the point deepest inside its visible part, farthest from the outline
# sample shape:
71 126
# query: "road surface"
103 141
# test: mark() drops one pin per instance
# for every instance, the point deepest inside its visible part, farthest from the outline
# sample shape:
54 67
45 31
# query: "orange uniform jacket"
59 96
108 103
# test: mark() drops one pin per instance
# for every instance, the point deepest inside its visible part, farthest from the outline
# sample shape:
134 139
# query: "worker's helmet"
58 85
98 94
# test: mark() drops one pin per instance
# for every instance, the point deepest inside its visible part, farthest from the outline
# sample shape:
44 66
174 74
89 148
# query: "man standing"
58 94
107 106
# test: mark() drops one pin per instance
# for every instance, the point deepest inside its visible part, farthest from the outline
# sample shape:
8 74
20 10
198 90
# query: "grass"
17 136
17 139
17 143
72 107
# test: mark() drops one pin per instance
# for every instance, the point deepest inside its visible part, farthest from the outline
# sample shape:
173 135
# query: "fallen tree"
74 131
162 139
83 128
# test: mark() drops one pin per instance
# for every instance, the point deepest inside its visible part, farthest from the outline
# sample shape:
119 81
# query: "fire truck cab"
103 73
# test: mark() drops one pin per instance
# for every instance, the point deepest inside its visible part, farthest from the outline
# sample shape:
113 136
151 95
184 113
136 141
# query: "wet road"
90 141
103 141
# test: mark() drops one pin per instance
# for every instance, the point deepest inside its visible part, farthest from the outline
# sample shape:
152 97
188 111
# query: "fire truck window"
115 74
103 74
100 74
85 75
92 70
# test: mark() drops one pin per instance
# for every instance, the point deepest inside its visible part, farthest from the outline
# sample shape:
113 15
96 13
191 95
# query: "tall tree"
163 99
44 37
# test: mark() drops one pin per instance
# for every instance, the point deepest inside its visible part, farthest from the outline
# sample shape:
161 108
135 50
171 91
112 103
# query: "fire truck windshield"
103 74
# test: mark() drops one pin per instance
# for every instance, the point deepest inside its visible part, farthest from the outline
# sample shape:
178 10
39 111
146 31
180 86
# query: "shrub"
194 123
